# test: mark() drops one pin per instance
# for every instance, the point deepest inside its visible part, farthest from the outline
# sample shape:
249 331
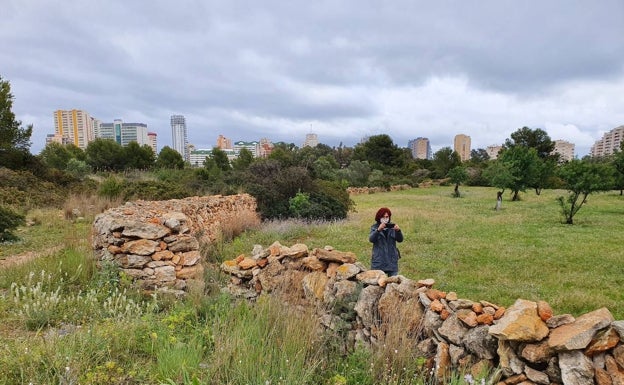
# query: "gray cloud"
341 69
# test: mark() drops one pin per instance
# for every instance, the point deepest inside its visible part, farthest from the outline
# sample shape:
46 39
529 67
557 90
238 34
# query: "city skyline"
251 70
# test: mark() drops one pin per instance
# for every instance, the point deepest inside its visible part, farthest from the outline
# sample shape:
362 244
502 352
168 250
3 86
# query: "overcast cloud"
340 69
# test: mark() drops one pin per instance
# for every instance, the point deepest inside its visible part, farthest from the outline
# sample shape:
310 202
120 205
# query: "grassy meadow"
63 321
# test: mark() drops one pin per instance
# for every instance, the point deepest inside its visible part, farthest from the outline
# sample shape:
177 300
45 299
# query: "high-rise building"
461 145
152 139
564 149
420 147
73 126
265 148
124 133
179 136
311 140
224 143
609 143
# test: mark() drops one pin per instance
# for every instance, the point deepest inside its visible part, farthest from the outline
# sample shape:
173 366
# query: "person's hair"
381 212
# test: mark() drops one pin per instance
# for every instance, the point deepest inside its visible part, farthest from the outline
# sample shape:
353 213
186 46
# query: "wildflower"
468 378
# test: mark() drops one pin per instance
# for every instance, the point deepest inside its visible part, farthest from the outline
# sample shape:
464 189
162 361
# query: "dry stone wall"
157 243
523 344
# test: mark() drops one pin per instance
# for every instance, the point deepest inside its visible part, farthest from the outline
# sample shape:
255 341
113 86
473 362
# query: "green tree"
105 154
618 165
9 221
244 159
582 178
138 157
221 159
457 175
169 158
55 155
325 168
539 140
522 164
443 161
77 168
14 139
479 156
380 152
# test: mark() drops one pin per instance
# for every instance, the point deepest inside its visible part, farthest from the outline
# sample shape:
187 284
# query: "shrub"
9 220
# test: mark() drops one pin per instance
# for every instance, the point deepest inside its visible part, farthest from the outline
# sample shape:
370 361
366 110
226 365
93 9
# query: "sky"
343 70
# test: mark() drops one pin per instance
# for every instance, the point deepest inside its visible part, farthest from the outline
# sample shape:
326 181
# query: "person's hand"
381 226
396 228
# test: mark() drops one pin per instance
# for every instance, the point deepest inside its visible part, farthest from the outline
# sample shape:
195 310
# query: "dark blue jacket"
385 254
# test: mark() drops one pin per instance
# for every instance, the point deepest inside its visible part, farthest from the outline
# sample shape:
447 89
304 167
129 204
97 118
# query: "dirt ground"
18 259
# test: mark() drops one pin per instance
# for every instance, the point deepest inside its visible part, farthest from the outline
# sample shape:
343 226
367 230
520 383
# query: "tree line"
308 182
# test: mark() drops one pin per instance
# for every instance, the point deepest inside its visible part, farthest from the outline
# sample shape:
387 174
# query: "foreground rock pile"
523 344
157 243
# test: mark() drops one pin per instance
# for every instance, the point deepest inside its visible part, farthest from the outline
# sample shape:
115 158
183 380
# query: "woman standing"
384 235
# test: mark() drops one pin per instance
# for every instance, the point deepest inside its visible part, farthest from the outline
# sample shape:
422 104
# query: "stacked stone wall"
523 344
157 243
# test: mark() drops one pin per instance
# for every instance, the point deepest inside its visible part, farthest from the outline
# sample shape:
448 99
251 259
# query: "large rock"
520 323
366 305
144 230
578 334
576 368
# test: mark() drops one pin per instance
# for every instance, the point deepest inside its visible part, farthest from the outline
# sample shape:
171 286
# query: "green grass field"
522 251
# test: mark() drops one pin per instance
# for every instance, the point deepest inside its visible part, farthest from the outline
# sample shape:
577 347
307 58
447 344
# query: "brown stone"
331 269
537 353
335 256
500 312
434 294
140 247
544 310
477 308
603 340
614 370
436 306
239 258
314 264
429 282
578 334
485 319
468 317
262 262
247 263
602 377
190 272
520 323
162 255
444 314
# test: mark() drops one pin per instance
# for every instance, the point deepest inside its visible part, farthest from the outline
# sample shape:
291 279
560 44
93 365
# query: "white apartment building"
253 146
311 140
565 150
73 126
609 143
124 133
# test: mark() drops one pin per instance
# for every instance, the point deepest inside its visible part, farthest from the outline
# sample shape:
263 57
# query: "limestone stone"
537 353
190 258
520 323
314 264
140 247
576 368
314 285
578 334
603 340
247 263
366 303
558 320
347 271
536 376
480 342
615 371
453 330
370 277
334 256
144 230
184 243
190 272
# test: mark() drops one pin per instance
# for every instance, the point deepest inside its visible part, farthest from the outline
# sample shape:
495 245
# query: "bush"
9 220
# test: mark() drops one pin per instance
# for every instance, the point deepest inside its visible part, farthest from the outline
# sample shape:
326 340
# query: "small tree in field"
458 175
582 178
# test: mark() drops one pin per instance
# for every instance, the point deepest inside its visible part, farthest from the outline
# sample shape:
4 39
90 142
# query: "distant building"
420 148
253 146
609 143
564 149
73 126
311 140
124 133
152 141
461 145
197 157
493 151
179 136
224 143
265 148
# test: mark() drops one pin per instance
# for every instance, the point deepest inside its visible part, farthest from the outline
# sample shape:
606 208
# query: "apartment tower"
609 143
179 136
461 145
73 126
420 147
